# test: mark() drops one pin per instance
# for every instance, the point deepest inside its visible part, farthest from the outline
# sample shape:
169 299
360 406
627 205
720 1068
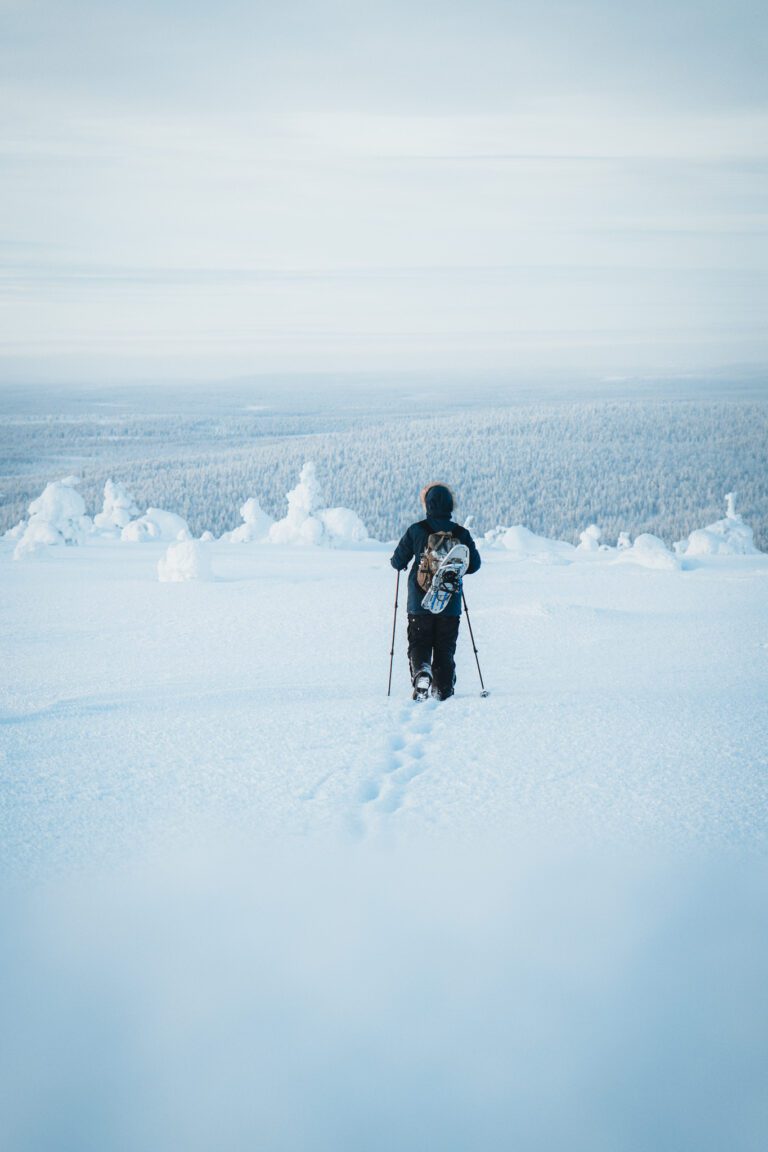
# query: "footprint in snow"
407 749
385 791
392 800
369 791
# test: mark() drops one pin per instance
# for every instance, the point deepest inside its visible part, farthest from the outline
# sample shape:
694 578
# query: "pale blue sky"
208 190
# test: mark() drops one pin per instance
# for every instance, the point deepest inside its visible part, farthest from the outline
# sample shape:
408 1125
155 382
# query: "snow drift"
525 545
184 560
648 551
155 524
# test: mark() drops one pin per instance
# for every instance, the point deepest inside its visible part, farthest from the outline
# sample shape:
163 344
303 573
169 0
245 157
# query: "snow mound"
184 560
525 545
727 537
118 511
343 526
155 524
57 516
589 539
307 522
256 524
648 551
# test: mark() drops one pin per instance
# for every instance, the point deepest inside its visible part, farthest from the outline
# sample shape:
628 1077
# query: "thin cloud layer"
311 186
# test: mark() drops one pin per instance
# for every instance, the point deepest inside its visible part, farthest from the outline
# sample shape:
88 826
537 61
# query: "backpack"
437 548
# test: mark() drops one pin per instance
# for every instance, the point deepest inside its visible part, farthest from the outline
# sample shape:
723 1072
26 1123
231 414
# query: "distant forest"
628 465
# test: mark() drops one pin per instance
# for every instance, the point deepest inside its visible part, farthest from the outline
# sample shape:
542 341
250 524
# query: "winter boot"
422 681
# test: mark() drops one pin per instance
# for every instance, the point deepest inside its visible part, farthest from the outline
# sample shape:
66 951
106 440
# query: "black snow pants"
432 645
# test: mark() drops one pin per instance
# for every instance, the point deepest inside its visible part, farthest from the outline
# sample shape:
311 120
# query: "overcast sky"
211 189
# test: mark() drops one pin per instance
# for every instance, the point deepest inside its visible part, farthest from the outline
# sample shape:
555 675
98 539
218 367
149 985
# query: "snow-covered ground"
624 702
253 903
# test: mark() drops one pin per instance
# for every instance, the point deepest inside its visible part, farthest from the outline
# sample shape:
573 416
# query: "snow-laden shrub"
343 526
300 525
727 537
57 516
648 551
119 509
184 560
155 524
307 522
589 539
525 545
256 524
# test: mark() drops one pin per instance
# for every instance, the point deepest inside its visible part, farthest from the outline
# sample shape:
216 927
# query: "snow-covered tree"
156 524
57 516
119 509
307 522
730 536
256 523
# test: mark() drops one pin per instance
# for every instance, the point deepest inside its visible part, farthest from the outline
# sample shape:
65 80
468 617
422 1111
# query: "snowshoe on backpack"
446 564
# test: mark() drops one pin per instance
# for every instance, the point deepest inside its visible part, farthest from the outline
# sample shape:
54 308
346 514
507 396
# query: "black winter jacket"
439 506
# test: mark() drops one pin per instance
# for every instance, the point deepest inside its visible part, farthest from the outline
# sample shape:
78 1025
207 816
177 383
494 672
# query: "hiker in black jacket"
431 637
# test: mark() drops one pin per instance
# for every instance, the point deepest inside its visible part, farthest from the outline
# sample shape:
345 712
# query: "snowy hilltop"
243 865
593 638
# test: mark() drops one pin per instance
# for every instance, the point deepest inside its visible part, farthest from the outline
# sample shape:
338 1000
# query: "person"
432 637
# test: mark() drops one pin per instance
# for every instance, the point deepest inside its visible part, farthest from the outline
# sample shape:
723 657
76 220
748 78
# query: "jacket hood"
437 500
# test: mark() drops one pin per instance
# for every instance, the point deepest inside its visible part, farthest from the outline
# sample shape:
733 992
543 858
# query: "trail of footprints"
384 792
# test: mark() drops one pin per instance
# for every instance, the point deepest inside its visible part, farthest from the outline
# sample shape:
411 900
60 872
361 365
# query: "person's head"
437 501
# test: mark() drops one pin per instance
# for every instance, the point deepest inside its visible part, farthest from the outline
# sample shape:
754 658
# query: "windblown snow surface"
252 903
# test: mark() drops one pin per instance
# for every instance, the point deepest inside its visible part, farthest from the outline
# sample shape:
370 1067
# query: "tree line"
635 466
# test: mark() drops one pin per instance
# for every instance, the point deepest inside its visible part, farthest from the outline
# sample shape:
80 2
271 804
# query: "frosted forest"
659 464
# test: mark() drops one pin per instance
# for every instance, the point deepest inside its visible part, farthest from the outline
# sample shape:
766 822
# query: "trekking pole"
484 691
394 625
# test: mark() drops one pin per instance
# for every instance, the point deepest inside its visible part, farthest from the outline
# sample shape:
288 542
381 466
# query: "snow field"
624 700
251 902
